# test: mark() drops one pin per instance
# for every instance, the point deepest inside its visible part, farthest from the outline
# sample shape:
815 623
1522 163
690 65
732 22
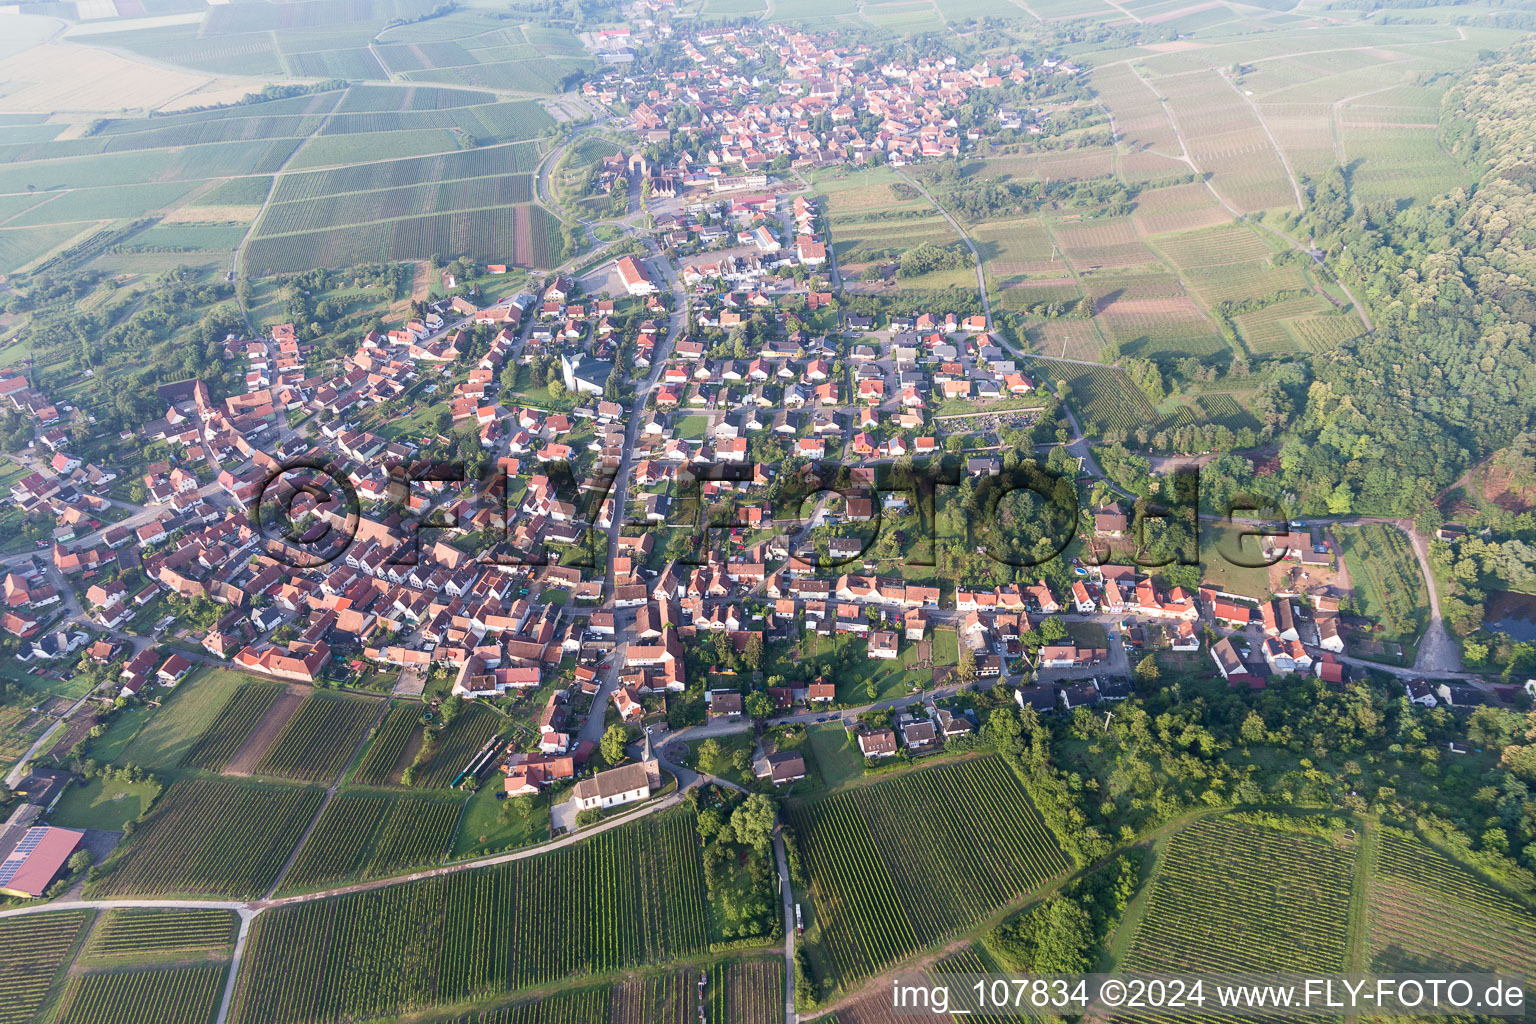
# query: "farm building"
35 858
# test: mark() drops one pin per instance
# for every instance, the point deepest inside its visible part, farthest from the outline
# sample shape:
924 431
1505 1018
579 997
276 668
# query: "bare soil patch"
261 737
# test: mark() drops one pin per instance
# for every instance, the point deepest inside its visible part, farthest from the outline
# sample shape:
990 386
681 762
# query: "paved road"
981 277
789 926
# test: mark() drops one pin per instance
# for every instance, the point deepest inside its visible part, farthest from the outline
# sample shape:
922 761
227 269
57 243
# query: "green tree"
711 757
752 653
759 704
752 823
615 739
709 823
1147 670
965 668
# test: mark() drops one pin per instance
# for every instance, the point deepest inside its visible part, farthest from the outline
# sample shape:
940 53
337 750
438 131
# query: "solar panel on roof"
18 856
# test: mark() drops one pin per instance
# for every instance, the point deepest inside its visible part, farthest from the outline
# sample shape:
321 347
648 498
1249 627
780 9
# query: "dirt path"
330 794
283 708
1438 652
782 862
421 284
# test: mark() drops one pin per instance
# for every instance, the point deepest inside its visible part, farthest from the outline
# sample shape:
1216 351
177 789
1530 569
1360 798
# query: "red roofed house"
173 669
636 280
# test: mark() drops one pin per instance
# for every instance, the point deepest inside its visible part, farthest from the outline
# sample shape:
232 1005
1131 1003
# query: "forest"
1447 377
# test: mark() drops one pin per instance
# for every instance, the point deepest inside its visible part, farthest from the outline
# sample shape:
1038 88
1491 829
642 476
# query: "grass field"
873 215
835 754
208 837
899 865
97 803
483 831
1221 549
184 716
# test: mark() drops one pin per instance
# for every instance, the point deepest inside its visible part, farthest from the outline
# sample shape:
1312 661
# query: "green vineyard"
459 742
525 235
657 999
132 934
355 209
897 866
176 995
373 836
1429 913
734 993
319 739
234 723
625 898
1233 898
443 167
588 1006
751 992
1385 572
32 950
204 836
377 765
1104 395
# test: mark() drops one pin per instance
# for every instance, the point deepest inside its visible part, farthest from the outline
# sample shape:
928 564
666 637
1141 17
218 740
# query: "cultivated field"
380 763
192 183
1270 331
1171 326
1104 396
319 739
1389 588
1427 912
749 992
132 936
171 995
183 718
1065 339
1106 242
899 865
32 951
628 897
373 836
219 838
586 1006
234 723
1235 897
456 745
